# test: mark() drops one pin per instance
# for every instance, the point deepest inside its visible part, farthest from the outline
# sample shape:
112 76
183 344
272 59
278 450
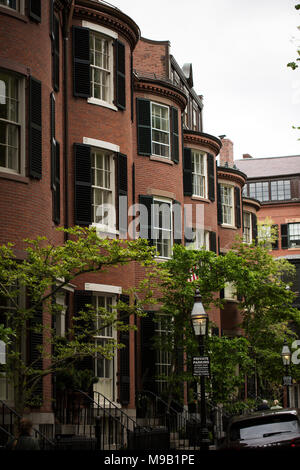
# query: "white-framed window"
163 227
247 227
103 189
195 119
230 292
199 162
280 190
227 204
101 60
11 119
200 240
13 4
294 235
105 369
160 130
163 355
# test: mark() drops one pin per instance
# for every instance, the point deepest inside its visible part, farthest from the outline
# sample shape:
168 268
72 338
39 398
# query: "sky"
239 50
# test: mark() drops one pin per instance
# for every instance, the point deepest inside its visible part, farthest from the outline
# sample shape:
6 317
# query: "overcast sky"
239 50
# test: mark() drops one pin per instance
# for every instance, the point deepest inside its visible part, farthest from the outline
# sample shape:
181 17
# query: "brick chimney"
226 153
246 155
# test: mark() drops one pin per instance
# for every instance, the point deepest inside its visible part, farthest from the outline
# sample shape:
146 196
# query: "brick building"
90 111
275 183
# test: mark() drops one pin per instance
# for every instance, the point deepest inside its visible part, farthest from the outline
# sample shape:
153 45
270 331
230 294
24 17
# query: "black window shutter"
120 75
213 241
35 342
124 369
219 207
81 62
174 135
148 353
254 227
55 54
56 189
146 219
219 246
52 19
211 176
34 9
284 236
81 299
237 194
52 136
35 128
83 184
177 223
143 126
122 179
187 172
275 244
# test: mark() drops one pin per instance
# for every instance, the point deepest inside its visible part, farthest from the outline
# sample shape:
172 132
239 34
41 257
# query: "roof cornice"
160 87
194 137
231 174
109 17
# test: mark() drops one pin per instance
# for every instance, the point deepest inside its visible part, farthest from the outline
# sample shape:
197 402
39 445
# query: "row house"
90 111
275 183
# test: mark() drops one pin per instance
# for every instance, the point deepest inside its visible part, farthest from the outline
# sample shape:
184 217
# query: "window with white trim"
199 162
162 227
101 60
294 235
230 291
11 116
105 368
200 240
227 204
160 129
163 356
103 188
13 4
247 227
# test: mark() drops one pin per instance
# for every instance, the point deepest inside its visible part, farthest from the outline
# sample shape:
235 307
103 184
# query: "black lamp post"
200 325
286 359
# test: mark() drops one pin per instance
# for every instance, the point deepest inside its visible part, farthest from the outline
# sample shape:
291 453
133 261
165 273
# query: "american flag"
193 275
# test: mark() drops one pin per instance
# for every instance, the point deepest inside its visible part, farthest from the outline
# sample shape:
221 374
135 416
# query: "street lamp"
286 359
200 325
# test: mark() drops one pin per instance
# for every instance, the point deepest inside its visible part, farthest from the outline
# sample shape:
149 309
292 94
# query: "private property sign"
201 366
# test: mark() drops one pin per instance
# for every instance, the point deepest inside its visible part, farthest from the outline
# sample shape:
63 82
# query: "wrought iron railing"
103 421
9 420
182 425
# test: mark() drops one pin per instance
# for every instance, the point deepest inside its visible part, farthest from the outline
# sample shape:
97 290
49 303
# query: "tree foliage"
265 306
31 286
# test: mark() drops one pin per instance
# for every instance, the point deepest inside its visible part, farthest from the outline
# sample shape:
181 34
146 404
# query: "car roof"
261 414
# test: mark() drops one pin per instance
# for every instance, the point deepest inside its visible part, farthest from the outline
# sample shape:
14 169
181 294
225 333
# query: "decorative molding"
110 17
231 175
199 138
160 88
251 202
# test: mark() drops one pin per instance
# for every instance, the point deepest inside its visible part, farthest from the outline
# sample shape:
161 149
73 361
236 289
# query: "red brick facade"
26 203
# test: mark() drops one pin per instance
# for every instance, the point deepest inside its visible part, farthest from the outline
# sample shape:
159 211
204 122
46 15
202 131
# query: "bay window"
160 121
11 111
199 174
162 227
103 212
227 203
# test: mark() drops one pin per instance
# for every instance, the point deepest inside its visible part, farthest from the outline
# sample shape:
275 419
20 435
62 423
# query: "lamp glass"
286 355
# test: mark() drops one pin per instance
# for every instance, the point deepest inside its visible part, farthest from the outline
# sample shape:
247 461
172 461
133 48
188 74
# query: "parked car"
264 429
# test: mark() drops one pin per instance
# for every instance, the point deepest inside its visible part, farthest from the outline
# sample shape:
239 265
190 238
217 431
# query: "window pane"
160 130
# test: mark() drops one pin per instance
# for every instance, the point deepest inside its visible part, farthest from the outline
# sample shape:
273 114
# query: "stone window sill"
15 14
14 177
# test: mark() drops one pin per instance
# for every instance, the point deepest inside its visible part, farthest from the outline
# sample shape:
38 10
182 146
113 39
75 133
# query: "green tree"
45 271
265 307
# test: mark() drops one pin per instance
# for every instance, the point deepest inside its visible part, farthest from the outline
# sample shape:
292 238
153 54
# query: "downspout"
67 18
